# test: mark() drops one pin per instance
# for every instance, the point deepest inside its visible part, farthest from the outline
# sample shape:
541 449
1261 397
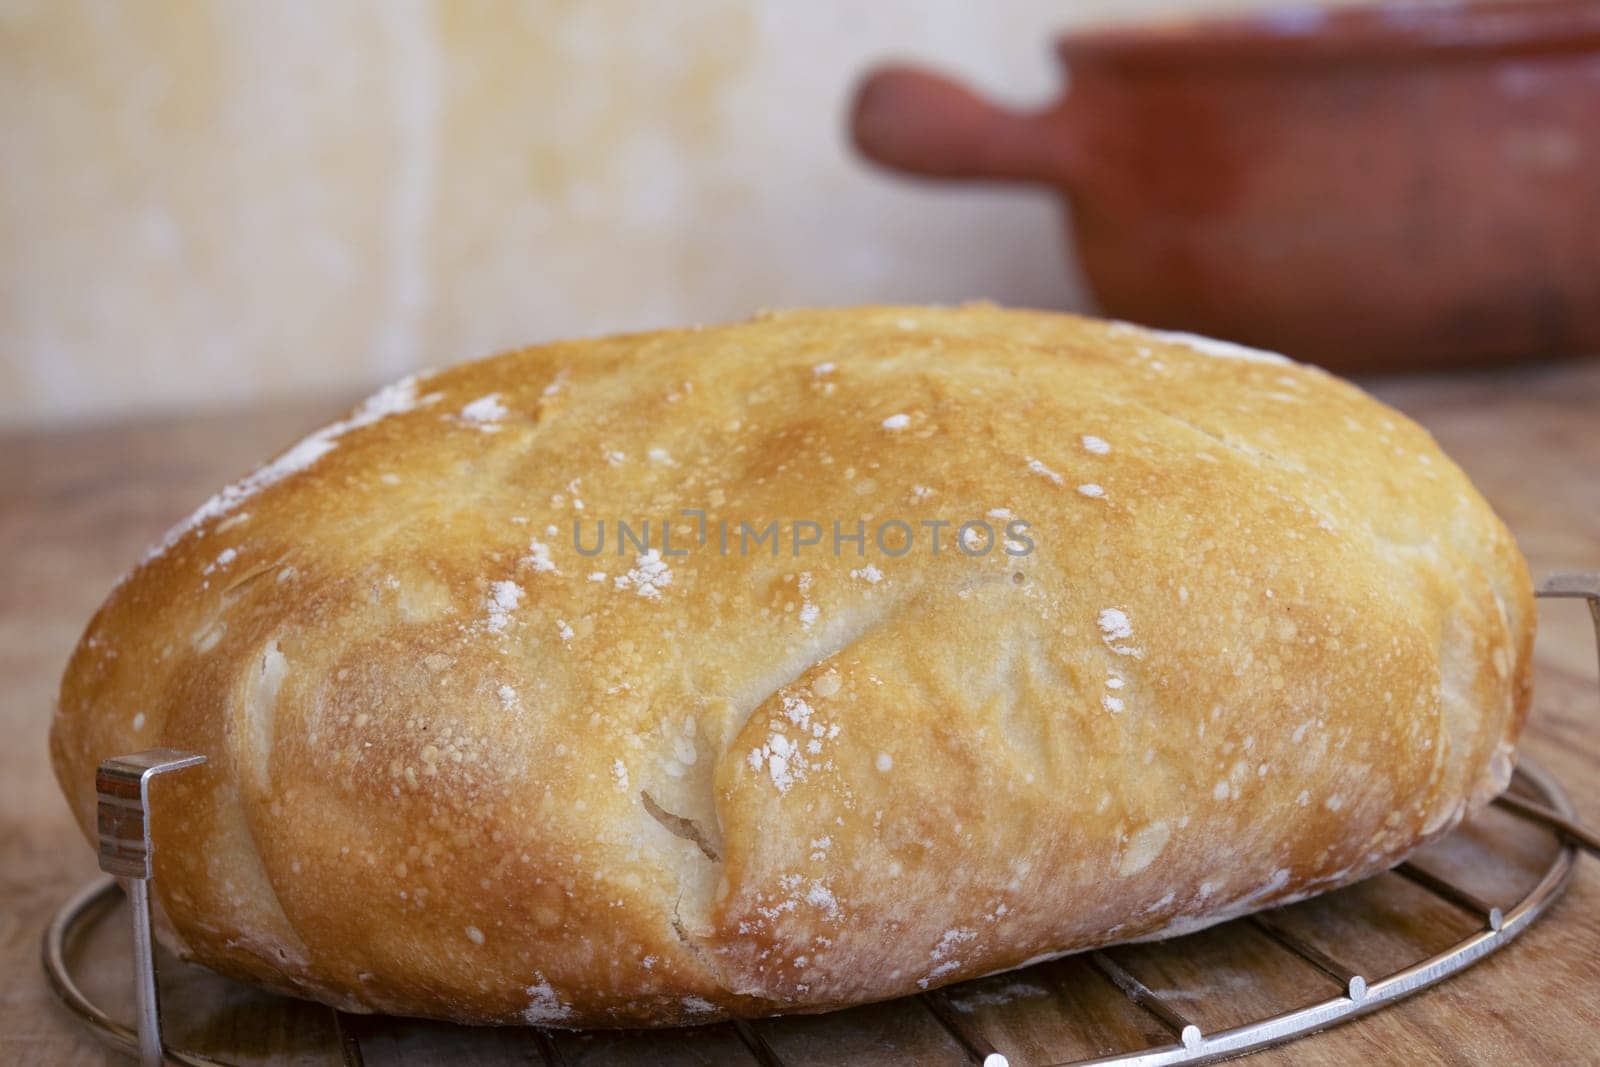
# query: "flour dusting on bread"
390 400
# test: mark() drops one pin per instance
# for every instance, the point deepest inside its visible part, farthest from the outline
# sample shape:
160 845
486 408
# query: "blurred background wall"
206 204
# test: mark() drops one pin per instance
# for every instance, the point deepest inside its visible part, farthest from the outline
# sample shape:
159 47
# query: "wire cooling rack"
1535 799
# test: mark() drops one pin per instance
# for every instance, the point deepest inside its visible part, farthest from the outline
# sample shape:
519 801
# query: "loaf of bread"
800 663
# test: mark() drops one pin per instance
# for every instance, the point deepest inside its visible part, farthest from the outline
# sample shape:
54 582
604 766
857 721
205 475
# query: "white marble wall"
210 203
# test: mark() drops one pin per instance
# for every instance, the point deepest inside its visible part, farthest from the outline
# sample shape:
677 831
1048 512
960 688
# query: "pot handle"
911 119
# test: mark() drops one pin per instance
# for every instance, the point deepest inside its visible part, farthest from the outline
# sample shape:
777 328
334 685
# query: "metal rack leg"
122 820
147 992
1585 586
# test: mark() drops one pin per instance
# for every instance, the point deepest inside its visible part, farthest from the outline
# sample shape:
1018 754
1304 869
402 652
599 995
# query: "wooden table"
77 506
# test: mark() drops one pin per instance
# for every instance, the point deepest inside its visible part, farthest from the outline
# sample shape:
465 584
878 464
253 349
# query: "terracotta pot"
1371 189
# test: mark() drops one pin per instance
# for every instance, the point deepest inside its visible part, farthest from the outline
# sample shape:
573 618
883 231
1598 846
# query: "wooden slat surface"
78 505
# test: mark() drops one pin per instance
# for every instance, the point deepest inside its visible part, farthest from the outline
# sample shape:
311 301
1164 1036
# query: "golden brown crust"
1267 640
